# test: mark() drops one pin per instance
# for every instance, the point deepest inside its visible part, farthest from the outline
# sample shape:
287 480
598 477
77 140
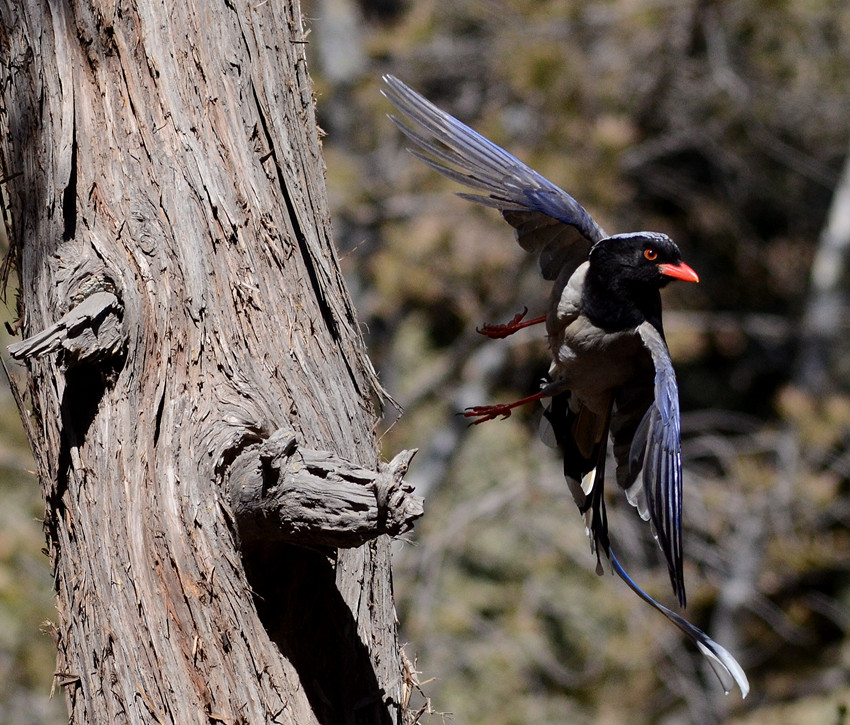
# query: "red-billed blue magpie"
611 374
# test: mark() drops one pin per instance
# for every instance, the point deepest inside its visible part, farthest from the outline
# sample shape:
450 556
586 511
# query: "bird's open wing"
548 221
656 450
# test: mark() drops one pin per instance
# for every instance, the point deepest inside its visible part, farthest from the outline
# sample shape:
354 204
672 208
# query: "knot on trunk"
281 492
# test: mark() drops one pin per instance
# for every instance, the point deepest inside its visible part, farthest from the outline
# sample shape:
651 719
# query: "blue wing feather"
657 444
520 193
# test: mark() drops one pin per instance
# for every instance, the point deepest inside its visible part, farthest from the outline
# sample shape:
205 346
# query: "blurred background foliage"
723 124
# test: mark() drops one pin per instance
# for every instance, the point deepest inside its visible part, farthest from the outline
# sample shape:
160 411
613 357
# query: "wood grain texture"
168 152
280 492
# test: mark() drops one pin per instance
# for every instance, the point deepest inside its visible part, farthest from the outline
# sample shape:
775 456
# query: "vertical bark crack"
306 254
69 196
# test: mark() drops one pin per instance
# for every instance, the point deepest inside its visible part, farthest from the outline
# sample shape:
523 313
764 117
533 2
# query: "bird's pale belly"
593 364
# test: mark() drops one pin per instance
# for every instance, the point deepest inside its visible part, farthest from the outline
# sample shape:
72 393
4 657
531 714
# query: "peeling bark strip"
281 492
181 298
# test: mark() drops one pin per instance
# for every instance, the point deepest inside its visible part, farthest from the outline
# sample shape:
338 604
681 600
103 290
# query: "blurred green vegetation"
723 124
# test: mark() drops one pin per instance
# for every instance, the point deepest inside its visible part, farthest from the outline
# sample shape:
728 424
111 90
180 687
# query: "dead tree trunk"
196 392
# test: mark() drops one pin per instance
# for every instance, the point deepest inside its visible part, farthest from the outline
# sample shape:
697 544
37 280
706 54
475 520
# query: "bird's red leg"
501 331
491 412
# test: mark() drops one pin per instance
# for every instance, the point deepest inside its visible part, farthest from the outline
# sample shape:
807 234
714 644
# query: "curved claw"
498 332
491 412
488 412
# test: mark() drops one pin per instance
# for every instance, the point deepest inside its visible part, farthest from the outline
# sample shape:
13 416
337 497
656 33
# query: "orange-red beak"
679 271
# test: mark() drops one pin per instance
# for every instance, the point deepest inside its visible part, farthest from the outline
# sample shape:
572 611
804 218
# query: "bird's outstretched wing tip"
469 158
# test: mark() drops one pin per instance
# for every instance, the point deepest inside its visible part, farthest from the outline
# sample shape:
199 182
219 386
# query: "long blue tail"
725 666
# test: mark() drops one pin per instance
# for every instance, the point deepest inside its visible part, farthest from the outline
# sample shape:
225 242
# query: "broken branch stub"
283 493
90 331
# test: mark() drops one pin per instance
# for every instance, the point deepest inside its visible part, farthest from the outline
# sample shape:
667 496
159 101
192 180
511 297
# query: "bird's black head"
626 272
641 258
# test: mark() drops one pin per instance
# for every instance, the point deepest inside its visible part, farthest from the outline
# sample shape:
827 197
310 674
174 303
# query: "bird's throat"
615 305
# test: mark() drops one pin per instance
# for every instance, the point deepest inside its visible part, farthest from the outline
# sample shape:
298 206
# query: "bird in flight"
611 374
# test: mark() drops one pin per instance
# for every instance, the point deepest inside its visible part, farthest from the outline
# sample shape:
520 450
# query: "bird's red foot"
497 332
488 412
491 412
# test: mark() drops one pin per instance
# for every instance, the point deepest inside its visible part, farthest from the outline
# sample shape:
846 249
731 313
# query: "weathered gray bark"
190 351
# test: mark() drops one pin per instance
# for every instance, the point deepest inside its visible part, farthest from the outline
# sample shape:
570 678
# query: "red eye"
650 254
